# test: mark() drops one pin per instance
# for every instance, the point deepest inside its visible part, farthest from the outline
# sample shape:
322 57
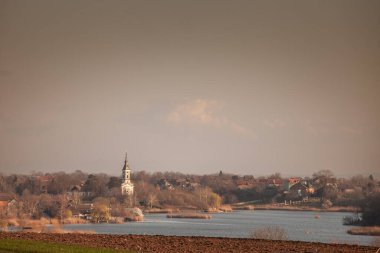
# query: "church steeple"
126 185
126 176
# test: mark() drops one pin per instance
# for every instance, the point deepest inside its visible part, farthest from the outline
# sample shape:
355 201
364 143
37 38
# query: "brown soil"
165 244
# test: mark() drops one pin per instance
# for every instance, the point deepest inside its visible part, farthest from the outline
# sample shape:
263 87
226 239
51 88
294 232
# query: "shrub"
376 242
371 210
269 233
352 220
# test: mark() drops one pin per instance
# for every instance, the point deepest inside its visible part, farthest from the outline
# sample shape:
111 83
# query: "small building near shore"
300 190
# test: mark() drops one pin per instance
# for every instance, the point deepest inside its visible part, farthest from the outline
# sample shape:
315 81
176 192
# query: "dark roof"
305 185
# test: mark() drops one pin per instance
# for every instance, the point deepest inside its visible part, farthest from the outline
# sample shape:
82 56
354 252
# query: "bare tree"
152 198
29 204
62 201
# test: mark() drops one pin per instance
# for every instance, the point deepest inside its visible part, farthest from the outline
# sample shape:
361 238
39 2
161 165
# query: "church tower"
126 184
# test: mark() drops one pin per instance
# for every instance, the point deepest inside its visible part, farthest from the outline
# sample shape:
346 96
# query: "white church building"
126 184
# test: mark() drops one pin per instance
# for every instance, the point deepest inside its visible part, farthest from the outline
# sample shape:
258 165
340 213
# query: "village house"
187 184
300 190
165 184
245 182
325 181
274 182
290 182
82 211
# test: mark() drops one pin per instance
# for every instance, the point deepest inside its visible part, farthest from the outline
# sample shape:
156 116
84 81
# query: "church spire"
125 167
127 185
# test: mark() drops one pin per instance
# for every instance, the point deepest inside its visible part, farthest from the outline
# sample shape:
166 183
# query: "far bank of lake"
300 226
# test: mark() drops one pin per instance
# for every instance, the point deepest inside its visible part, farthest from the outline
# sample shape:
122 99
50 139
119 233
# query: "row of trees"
342 191
48 194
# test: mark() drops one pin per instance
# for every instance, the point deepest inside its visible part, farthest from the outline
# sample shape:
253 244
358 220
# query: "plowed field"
145 243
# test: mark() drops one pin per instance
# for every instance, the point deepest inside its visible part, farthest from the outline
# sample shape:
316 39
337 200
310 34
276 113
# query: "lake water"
300 226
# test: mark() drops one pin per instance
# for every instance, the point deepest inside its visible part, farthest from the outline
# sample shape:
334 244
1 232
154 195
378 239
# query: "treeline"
53 194
231 188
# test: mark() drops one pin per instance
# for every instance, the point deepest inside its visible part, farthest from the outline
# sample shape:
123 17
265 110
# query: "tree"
101 211
152 198
68 214
3 184
371 210
330 192
61 202
214 200
60 183
276 175
114 182
48 206
96 184
323 177
29 204
371 184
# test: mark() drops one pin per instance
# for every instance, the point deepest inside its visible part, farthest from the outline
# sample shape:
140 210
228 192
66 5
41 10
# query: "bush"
326 204
376 242
269 233
352 220
371 210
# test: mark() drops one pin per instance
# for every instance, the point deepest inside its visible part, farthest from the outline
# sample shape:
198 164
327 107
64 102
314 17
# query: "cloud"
205 112
274 123
198 111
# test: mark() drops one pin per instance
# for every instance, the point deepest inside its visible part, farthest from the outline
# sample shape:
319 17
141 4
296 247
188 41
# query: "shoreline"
348 209
305 208
371 231
160 244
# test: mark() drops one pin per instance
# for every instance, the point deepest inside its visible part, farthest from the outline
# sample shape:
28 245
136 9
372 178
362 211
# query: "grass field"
23 246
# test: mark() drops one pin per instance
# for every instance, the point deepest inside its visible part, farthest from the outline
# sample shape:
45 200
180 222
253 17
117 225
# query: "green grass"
23 246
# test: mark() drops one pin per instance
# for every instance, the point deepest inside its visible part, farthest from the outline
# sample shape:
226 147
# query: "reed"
225 208
158 210
189 216
244 207
365 231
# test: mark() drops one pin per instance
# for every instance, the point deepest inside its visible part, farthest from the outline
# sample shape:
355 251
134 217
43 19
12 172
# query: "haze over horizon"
246 87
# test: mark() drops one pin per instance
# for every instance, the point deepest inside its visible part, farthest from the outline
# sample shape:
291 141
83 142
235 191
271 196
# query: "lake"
299 225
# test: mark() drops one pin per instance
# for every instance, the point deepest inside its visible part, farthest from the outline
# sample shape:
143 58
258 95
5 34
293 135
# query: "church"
126 184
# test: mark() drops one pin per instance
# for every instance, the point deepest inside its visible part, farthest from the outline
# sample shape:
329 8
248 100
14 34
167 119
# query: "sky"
246 87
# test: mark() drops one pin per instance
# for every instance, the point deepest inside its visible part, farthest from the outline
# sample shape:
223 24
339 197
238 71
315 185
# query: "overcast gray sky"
247 87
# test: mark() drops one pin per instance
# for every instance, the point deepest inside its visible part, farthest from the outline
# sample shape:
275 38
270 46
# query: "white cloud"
206 112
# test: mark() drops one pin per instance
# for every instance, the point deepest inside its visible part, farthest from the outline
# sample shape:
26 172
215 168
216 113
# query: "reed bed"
365 231
189 216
